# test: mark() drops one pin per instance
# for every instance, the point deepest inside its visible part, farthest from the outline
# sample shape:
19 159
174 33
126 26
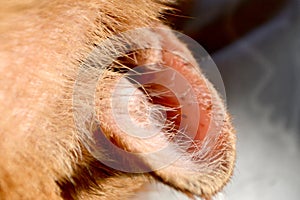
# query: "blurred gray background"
261 73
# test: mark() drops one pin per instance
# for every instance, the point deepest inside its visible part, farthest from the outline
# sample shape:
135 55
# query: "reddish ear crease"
205 109
206 167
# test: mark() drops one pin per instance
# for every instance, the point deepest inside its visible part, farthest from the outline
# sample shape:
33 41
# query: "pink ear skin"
211 167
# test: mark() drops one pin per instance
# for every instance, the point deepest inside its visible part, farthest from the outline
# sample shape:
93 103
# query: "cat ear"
164 117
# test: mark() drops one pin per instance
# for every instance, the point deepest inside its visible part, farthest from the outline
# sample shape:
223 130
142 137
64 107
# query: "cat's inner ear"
162 114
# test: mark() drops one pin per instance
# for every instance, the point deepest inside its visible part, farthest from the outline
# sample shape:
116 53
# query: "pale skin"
42 155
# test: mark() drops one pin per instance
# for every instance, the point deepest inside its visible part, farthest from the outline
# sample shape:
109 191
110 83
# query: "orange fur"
42 44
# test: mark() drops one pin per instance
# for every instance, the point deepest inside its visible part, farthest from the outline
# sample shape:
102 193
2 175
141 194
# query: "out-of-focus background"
256 46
